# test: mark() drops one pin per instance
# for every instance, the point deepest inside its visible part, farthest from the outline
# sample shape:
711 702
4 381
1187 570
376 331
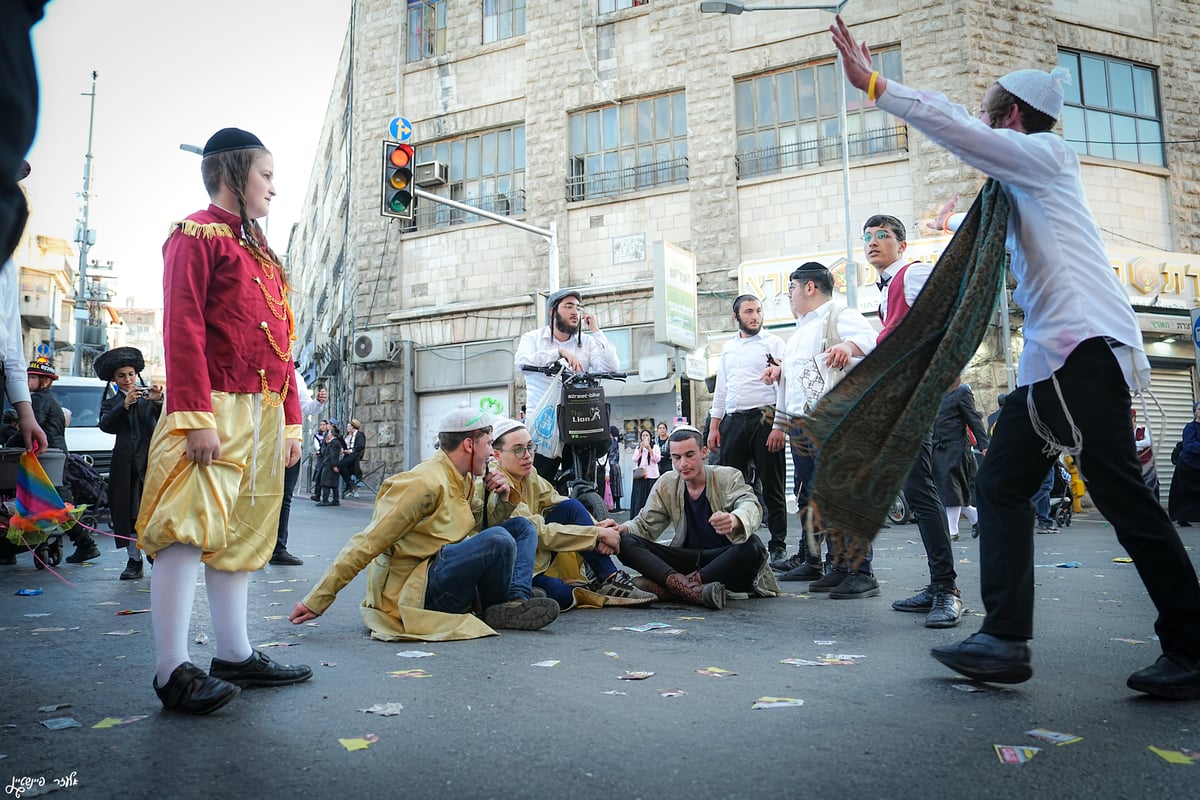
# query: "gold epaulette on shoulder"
202 230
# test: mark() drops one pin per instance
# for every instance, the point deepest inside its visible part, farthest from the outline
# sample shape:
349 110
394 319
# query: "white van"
84 437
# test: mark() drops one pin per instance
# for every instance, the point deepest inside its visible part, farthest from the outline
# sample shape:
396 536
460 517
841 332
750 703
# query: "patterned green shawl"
869 427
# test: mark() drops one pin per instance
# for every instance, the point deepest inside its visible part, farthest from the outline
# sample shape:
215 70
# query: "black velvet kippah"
230 139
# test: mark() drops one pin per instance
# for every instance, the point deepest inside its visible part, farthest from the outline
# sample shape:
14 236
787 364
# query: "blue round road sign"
400 129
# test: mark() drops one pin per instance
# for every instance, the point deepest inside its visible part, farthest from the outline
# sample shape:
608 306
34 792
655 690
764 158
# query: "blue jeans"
1041 500
572 512
496 563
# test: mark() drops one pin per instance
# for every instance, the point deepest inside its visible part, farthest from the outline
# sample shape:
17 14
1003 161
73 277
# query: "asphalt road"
487 722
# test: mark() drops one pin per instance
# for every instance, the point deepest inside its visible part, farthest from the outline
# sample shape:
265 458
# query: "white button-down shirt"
740 385
539 348
914 282
806 343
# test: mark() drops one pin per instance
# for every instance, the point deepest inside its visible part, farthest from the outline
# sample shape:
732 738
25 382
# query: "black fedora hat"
109 362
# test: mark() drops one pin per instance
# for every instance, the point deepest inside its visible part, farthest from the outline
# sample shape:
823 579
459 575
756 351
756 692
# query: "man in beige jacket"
713 511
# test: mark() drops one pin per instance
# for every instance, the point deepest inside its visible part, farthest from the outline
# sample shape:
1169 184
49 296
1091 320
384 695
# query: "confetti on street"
548 663
672 693
777 702
611 654
359 744
614 691
128 611
635 676
1180 756
410 673
1054 737
415 654
384 709
279 644
61 723
1129 641
716 672
1015 753
1122 560
119 633
649 626
53 707
800 662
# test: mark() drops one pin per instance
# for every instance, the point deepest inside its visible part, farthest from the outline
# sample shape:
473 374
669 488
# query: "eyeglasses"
794 287
520 450
878 236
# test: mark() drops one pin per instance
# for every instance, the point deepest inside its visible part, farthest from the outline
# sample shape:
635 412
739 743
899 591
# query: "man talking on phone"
563 338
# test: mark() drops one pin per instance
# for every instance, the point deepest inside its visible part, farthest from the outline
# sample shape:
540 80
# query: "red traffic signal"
396 192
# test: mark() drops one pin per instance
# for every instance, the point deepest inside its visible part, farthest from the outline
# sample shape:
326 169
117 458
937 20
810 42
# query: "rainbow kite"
41 512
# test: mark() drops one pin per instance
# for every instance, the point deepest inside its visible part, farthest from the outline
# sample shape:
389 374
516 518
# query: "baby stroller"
1062 502
54 463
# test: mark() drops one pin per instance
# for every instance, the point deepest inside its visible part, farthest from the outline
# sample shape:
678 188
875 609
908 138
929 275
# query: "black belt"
749 413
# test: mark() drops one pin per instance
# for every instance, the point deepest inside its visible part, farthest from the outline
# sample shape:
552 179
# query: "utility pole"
85 238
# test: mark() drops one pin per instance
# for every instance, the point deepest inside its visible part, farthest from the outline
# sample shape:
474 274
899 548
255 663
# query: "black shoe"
283 558
191 691
776 554
828 583
804 572
335 503
1047 527
1183 524
1171 677
258 670
314 498
522 615
983 657
975 531
86 550
856 586
946 612
789 563
324 503
133 570
919 603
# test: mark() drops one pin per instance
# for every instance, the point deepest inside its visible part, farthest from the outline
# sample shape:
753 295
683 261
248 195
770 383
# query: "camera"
143 391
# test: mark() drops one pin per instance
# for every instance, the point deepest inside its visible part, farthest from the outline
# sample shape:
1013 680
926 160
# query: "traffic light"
396 187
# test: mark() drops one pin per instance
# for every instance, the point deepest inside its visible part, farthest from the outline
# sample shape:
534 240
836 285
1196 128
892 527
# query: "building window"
607 6
620 149
485 170
503 19
790 119
426 29
1111 109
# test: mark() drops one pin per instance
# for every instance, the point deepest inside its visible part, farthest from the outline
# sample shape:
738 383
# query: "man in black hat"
562 338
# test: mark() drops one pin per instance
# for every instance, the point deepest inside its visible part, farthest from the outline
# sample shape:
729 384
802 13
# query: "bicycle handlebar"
559 367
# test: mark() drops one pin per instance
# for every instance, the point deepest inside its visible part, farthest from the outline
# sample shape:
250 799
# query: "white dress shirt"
805 344
12 346
1064 281
914 282
740 385
539 348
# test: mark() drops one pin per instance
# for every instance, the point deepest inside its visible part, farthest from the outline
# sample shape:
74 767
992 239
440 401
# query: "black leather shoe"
946 612
191 691
258 670
919 603
983 657
1171 677
324 503
133 570
85 551
804 572
285 559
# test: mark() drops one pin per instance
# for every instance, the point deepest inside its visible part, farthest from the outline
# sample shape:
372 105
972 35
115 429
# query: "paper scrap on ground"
716 672
29 592
47 630
328 663
1015 753
672 693
359 744
119 633
649 626
777 702
201 637
60 723
1179 756
53 707
384 709
967 687
1122 560
689 618
112 722
39 615
1129 641
614 691
800 662
1054 737
410 673
669 631
414 654
548 663
279 644
273 617
635 676
127 611
825 642
611 654
1069 565
839 657
109 603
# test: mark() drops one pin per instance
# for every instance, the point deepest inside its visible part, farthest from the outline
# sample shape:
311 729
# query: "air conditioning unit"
370 347
431 173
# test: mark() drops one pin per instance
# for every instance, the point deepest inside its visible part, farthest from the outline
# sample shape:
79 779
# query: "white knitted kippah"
504 425
1042 90
464 418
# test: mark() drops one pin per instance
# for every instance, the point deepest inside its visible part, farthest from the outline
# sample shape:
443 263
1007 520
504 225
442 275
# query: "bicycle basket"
584 418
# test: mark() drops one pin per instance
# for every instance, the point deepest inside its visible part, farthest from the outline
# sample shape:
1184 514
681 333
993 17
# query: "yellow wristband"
871 87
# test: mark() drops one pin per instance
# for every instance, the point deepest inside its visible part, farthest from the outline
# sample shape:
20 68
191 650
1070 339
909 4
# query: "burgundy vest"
897 305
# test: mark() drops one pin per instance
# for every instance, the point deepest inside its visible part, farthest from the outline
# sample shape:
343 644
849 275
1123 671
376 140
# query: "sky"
172 72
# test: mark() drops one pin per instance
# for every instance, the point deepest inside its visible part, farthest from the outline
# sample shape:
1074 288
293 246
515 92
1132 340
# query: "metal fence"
435 215
583 185
820 152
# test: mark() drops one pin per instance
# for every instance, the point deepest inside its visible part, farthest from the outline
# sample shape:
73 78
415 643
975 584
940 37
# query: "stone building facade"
624 123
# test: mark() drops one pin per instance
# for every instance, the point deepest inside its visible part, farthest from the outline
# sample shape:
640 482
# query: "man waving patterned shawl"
870 426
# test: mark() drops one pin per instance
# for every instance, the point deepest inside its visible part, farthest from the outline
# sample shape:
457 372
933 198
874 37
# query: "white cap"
505 425
464 419
1042 90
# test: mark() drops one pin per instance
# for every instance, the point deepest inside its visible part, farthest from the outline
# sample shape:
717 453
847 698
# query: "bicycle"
582 420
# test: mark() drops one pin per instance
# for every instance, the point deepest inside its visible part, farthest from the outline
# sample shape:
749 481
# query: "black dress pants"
744 443
735 565
923 499
1095 394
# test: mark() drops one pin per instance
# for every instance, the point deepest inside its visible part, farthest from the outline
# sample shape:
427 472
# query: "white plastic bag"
542 422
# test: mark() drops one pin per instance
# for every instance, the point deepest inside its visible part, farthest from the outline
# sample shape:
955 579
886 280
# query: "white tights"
172 592
953 512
